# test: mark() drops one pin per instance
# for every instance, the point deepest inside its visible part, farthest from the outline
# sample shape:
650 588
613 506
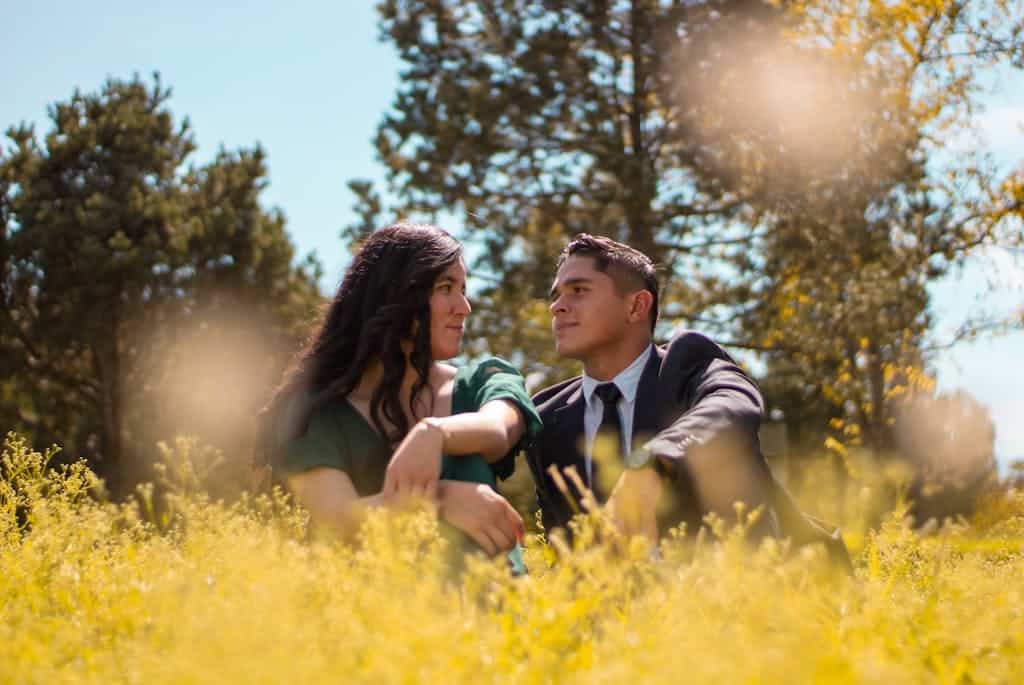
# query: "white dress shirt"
628 381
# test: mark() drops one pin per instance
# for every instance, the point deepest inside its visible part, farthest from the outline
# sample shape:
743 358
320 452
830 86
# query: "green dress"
338 436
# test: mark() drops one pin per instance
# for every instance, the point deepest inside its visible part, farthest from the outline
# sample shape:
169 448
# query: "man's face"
589 313
448 311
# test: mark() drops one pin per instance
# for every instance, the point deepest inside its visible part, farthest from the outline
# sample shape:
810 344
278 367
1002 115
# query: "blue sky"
309 81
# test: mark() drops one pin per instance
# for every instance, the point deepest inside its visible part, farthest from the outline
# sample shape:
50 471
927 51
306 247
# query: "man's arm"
633 503
717 399
714 440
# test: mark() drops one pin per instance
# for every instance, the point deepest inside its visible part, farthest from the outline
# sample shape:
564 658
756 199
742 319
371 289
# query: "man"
664 435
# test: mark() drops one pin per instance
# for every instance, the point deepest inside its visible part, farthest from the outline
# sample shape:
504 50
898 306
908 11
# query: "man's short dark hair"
629 269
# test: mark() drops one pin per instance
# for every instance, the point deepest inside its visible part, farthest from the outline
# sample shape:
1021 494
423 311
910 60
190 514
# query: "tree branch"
693 247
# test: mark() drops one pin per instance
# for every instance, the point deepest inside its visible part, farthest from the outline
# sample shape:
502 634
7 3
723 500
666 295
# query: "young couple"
371 415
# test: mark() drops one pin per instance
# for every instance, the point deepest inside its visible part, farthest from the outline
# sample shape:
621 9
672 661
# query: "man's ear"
640 308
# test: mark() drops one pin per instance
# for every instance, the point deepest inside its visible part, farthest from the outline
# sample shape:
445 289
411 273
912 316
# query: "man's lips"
560 327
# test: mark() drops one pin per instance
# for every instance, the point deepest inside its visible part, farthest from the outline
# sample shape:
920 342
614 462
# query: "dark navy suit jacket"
696 412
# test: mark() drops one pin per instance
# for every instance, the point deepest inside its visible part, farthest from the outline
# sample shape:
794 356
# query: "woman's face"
448 311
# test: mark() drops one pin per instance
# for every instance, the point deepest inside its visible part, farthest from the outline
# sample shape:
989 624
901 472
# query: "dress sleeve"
496 379
322 444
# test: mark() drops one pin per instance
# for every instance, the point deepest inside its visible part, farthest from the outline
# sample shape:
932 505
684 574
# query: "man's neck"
609 363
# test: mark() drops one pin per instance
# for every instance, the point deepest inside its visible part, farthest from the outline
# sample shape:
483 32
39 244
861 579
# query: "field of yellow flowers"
194 591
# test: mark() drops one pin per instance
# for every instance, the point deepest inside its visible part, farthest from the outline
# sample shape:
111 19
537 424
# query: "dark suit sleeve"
713 442
548 508
554 508
717 399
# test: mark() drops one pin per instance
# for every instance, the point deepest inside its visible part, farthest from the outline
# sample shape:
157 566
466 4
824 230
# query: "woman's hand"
482 514
415 466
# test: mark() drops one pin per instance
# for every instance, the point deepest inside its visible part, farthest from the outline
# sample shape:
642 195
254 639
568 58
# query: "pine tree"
113 248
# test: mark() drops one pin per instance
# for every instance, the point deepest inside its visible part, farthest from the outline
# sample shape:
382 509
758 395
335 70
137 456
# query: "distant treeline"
784 164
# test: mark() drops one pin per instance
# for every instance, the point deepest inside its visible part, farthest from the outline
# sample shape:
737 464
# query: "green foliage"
124 272
837 292
568 125
949 442
786 163
94 592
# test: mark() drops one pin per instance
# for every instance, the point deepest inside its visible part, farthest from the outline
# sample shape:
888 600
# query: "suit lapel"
565 445
567 436
646 414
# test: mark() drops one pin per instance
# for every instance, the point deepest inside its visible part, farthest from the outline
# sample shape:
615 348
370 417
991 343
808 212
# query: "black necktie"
611 425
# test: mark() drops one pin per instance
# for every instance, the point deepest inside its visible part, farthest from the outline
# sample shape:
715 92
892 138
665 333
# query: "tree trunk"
108 367
877 385
637 198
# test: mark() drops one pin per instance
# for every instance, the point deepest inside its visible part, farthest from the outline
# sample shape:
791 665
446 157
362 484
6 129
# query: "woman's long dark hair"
385 290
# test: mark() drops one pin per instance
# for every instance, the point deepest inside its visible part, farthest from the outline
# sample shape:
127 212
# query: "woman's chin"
446 352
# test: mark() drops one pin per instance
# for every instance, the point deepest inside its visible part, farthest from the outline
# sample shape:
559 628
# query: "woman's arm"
331 499
490 432
475 509
415 466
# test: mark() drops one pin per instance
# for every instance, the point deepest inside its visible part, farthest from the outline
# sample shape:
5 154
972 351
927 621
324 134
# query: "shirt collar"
627 380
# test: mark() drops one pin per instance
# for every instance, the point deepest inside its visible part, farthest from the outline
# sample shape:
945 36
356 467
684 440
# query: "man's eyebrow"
567 283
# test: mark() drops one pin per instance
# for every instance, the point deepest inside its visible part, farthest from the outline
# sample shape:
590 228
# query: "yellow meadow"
197 591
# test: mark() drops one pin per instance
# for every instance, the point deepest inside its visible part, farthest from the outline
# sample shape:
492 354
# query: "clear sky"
309 81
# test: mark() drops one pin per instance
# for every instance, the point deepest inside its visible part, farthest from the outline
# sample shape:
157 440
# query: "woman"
371 416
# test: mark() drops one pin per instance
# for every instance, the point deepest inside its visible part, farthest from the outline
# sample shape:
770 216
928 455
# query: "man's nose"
557 306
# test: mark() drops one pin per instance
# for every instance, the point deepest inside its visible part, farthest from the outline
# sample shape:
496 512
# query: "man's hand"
633 503
415 466
482 514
